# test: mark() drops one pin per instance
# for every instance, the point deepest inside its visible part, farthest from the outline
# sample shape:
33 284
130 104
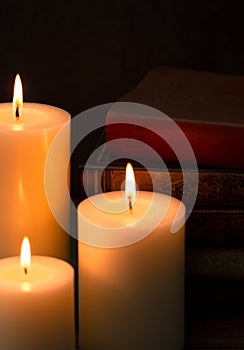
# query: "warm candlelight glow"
18 97
25 255
130 185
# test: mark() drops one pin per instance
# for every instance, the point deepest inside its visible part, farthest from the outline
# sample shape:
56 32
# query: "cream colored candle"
37 307
24 145
131 272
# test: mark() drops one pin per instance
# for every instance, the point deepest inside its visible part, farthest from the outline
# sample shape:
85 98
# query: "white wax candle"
37 308
24 209
131 296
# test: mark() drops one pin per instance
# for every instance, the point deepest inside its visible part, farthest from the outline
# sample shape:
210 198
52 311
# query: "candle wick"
25 270
17 113
130 202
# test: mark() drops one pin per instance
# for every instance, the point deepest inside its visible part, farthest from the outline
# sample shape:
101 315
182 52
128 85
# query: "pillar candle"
37 308
24 209
131 272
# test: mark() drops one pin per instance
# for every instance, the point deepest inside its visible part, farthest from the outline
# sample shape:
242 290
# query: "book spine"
217 190
224 142
208 226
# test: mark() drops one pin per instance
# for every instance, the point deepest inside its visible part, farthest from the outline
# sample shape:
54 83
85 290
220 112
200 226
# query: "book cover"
208 108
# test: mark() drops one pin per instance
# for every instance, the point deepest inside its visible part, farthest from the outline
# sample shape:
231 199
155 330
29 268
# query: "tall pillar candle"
24 209
131 284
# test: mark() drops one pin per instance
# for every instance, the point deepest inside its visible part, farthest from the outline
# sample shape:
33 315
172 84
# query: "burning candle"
36 302
131 271
26 133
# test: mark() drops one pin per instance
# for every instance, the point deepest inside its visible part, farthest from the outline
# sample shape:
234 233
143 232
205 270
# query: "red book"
208 107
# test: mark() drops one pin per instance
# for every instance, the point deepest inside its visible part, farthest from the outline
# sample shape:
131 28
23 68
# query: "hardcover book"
208 107
217 219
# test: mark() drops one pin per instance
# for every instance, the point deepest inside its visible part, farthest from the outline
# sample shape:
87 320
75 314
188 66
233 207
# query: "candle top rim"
35 116
111 230
54 272
147 194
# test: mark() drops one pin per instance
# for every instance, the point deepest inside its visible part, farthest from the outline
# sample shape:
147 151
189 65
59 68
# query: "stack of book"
209 109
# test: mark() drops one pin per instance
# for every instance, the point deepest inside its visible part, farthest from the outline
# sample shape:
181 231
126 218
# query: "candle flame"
25 255
130 185
18 97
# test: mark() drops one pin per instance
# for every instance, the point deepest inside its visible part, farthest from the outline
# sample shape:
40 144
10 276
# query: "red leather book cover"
208 107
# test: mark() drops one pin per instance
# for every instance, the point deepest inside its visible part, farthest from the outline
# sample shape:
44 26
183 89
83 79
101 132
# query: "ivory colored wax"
24 209
131 273
37 308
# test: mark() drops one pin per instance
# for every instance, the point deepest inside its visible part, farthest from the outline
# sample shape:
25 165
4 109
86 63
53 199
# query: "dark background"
77 54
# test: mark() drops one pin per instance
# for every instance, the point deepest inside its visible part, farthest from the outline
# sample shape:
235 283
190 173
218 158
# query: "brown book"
217 219
219 189
208 107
